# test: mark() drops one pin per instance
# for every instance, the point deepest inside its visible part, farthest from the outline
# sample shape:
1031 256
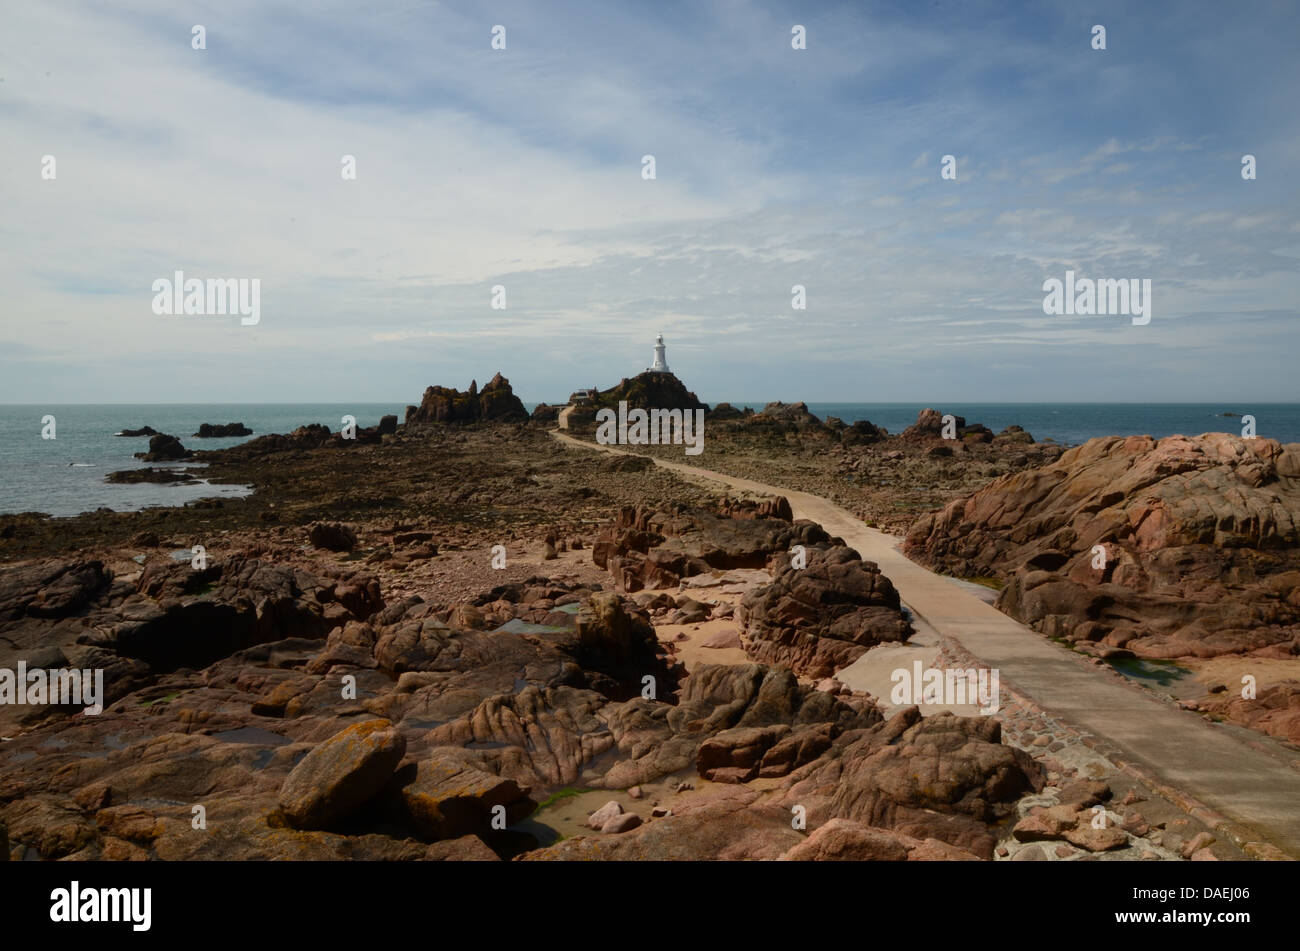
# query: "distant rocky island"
217 430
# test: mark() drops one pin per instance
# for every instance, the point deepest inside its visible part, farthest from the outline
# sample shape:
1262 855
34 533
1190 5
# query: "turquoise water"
65 476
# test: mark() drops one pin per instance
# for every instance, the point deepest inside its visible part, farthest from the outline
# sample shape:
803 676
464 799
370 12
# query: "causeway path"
1253 790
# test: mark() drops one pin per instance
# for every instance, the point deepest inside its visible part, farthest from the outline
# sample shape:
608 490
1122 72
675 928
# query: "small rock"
604 814
625 822
1043 824
635 792
1196 844
1135 824
1084 793
1096 840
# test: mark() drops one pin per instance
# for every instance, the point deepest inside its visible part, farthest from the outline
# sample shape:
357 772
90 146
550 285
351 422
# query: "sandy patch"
1228 671
873 672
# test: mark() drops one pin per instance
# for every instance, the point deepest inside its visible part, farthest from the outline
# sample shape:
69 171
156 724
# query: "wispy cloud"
522 168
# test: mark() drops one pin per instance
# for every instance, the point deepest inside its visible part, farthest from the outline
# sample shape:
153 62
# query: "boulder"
604 814
164 448
447 796
333 536
341 774
822 617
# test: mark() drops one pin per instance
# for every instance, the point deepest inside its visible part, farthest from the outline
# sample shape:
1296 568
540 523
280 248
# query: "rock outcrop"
221 430
821 617
783 416
1275 711
496 402
164 448
645 548
929 425
60 614
1179 547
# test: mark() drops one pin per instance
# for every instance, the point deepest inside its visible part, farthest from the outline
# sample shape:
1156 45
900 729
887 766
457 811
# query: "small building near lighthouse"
660 364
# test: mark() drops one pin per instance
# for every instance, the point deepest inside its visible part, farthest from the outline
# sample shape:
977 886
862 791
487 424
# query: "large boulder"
341 774
333 536
941 777
446 796
822 617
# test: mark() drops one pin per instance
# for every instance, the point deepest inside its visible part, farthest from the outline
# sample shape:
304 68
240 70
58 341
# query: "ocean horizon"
64 476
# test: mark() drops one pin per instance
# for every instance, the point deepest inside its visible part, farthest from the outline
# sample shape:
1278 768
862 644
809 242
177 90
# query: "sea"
64 476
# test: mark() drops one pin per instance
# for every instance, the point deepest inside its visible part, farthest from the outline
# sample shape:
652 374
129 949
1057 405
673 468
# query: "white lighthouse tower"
661 363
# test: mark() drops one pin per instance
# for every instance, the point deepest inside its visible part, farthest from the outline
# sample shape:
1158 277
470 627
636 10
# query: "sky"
774 167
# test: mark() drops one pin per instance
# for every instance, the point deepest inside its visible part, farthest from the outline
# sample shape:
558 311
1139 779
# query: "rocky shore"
310 712
454 638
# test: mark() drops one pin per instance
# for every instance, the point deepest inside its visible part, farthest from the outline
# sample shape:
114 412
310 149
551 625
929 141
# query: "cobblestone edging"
1052 740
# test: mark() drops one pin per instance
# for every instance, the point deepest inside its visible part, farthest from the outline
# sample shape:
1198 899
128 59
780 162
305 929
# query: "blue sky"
775 167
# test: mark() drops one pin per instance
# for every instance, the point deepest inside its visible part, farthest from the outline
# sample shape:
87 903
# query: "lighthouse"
661 363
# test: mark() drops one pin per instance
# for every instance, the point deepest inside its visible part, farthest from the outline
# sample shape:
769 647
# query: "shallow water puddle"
1158 673
516 626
